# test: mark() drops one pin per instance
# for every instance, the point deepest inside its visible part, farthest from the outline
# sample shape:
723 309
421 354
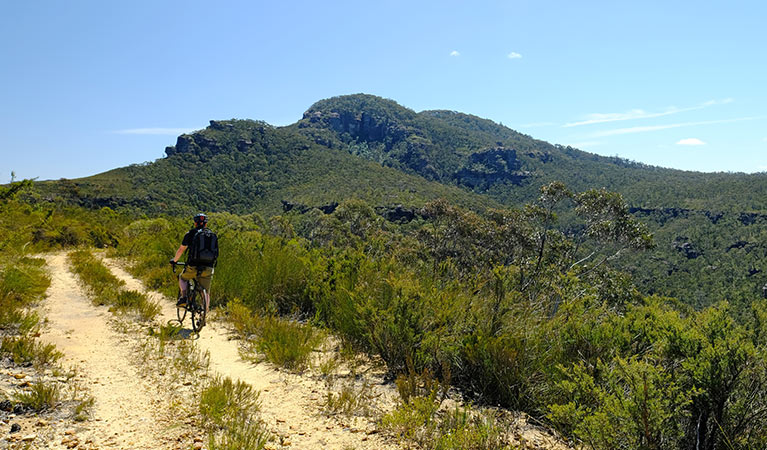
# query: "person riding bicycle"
203 252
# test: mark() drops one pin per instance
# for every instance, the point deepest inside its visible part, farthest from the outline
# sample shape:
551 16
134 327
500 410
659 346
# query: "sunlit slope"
243 166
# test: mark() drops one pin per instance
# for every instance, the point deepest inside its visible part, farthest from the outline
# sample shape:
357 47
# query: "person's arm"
179 252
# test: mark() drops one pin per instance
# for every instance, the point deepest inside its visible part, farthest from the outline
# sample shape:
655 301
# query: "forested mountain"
709 228
483 156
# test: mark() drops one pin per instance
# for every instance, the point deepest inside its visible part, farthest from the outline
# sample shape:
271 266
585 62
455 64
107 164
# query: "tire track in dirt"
290 403
126 410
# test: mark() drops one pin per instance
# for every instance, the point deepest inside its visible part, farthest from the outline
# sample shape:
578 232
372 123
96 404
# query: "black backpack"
204 248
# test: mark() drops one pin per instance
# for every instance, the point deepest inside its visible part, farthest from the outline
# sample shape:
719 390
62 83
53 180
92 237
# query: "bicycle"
197 311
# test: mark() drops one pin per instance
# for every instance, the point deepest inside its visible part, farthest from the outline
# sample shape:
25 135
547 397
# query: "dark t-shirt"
187 241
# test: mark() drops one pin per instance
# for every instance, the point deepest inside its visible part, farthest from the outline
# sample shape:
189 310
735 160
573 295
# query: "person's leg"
204 280
183 284
206 301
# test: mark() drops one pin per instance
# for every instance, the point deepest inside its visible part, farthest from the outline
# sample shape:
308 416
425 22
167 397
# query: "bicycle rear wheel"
197 313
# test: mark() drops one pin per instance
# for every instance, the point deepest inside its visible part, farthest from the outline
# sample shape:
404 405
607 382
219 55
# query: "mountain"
347 146
243 166
710 228
483 156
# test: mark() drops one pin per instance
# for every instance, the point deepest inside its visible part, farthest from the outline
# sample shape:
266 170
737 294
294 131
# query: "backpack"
203 250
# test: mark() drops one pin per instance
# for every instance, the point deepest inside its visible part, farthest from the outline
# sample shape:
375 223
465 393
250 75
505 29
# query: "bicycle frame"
198 312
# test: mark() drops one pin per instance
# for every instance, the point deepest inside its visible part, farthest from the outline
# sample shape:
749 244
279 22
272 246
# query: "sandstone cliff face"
221 135
362 127
395 144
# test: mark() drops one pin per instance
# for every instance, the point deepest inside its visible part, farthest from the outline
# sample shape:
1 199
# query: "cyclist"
201 257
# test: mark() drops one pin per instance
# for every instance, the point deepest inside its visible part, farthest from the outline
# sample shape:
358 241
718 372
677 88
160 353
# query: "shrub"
22 281
241 434
41 396
420 420
129 300
228 412
25 349
107 289
350 400
224 402
286 343
268 274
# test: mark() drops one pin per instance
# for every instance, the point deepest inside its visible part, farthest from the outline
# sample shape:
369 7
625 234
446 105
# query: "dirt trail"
126 412
131 413
290 403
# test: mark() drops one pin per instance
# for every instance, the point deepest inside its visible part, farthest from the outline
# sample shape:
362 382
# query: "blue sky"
87 86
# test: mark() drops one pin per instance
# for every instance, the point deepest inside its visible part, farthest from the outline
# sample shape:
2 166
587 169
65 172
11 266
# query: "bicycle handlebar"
177 263
183 264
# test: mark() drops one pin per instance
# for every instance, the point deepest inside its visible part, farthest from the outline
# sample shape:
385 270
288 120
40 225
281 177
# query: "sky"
88 86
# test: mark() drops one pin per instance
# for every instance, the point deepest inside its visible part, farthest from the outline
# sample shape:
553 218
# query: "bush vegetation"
107 289
709 227
228 412
512 311
524 308
23 283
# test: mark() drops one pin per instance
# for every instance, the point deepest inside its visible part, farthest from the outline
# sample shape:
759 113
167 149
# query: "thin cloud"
455 53
513 55
718 102
156 131
641 114
691 141
632 130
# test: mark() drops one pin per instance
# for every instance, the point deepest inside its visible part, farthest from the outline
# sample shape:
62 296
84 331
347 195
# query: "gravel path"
127 414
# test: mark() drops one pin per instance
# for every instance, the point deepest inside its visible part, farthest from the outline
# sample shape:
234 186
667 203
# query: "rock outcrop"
361 126
492 166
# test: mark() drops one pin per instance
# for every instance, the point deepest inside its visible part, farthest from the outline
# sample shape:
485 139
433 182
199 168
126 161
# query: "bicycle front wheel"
180 313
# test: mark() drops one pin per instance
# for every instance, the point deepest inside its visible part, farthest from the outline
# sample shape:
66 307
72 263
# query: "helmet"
200 219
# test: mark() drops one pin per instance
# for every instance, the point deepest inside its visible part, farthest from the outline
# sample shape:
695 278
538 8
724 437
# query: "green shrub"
350 400
268 274
99 280
26 349
40 397
107 289
84 408
239 435
17 321
421 421
228 410
22 281
241 317
129 300
633 404
286 343
409 419
225 401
